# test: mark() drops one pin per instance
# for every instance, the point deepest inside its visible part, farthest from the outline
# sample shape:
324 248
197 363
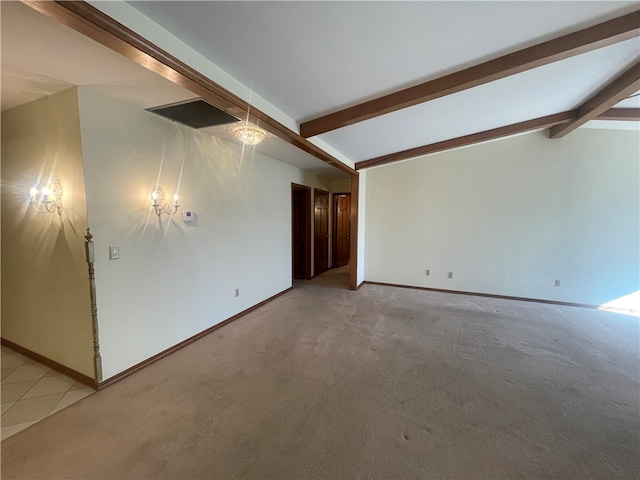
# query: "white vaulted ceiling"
310 59
301 60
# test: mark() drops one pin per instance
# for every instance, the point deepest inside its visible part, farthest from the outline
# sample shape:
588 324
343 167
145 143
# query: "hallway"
333 278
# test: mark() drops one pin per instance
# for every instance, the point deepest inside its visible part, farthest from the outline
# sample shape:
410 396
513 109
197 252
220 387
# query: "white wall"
511 216
45 283
362 230
174 280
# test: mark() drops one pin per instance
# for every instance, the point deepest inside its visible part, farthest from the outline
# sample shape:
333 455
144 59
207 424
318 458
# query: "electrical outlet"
114 252
237 292
450 274
427 272
558 283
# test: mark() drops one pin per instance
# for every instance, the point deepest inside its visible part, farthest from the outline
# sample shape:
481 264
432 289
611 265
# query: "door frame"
353 255
334 225
307 226
322 193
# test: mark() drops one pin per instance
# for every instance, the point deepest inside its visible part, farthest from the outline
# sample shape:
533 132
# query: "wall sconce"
158 204
47 200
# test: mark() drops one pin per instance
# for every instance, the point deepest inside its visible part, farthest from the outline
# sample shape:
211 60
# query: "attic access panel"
196 113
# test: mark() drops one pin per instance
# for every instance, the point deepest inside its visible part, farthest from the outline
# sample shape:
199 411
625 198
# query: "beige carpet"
381 383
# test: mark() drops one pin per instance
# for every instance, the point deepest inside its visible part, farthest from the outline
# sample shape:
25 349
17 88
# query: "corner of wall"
45 301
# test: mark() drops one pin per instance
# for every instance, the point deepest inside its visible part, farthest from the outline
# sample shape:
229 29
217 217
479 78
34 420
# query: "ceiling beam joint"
619 89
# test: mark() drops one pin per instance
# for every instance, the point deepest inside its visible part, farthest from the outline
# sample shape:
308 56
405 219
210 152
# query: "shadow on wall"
222 163
207 166
67 266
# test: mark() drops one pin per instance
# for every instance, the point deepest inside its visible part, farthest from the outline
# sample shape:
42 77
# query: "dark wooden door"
301 231
321 231
342 230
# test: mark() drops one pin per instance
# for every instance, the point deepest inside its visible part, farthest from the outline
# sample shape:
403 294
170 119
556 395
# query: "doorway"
301 231
341 229
321 231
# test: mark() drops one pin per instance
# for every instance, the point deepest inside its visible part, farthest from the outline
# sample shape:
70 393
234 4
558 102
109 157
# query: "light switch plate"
114 252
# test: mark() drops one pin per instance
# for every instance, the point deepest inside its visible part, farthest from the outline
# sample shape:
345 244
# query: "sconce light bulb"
159 205
48 199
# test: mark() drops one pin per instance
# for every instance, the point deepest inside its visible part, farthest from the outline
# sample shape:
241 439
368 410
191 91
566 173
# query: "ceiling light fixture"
249 135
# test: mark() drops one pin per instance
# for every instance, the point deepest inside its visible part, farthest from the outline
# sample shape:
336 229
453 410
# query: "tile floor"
31 392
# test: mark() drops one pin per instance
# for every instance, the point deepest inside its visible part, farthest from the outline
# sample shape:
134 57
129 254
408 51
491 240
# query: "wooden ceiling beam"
91 22
623 86
621 114
513 129
582 41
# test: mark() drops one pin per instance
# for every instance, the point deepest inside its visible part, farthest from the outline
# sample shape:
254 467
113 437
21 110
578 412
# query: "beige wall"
341 185
45 296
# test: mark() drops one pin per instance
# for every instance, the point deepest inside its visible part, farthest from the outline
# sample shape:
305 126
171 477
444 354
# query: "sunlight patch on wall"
629 304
